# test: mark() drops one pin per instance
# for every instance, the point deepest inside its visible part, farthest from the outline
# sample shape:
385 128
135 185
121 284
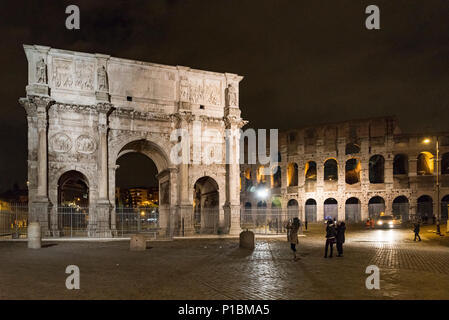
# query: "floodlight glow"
262 193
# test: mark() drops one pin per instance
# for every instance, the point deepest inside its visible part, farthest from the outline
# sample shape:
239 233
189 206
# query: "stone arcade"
84 111
353 170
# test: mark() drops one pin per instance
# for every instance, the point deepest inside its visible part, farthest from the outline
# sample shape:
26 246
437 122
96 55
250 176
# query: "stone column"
364 210
185 206
37 107
233 124
101 225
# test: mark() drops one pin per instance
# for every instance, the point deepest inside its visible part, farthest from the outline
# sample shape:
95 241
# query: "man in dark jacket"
416 230
341 228
330 238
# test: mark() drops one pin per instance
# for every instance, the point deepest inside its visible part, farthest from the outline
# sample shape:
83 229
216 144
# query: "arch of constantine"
85 111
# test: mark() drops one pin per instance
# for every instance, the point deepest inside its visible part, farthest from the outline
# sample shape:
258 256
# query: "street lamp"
437 146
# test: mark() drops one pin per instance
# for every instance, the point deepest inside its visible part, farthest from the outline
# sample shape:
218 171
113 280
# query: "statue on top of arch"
102 79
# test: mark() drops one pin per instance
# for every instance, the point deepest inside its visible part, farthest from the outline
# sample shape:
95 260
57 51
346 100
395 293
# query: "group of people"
335 234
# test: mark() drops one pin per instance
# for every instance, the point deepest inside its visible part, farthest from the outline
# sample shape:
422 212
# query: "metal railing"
266 220
136 220
13 220
73 222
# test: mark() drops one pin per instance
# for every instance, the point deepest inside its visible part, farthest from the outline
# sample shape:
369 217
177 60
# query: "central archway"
141 185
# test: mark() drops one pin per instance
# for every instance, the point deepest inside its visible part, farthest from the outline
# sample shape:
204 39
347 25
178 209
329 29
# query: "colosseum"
352 171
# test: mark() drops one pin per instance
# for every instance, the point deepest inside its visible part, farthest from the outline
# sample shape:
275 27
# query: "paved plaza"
219 269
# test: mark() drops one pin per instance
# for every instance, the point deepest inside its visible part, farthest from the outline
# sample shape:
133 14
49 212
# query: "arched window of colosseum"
401 208
425 208
330 209
376 207
400 164
352 210
310 210
276 178
425 165
292 209
292 174
376 169
310 171
261 177
331 170
445 163
353 168
444 208
352 148
247 177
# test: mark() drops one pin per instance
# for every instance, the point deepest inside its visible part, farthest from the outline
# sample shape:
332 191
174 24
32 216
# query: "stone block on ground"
138 242
34 235
247 240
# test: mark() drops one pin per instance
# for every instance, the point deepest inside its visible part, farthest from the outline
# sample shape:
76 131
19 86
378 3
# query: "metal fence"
136 220
13 220
73 222
267 221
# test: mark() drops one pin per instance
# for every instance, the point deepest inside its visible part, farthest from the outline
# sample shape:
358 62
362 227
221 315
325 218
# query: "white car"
387 222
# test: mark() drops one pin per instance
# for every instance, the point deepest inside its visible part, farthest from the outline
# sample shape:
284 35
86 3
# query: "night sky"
304 62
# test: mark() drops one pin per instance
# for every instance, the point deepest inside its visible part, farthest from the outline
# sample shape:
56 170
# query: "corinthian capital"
36 105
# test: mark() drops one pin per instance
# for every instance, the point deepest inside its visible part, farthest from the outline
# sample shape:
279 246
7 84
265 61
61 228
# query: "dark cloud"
304 61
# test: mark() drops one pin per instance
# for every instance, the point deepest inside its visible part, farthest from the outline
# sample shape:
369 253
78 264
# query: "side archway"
206 205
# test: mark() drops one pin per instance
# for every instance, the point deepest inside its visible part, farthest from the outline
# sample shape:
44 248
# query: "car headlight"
390 223
379 223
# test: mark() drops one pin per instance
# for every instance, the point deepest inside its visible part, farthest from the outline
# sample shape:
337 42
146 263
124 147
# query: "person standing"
292 235
330 238
341 228
416 229
305 224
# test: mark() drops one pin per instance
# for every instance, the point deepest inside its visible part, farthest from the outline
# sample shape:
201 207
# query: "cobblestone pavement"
218 269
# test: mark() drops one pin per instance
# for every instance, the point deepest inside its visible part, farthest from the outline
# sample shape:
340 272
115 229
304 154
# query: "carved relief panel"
73 74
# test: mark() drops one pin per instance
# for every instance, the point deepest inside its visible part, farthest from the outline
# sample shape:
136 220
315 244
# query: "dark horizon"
303 63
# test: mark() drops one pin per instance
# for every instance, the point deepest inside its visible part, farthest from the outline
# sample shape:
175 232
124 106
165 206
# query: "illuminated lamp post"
427 141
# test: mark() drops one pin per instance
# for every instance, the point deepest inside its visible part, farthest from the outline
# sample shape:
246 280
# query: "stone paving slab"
219 269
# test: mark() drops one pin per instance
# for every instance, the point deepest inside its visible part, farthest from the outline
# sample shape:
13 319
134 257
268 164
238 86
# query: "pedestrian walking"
372 223
292 235
341 228
416 230
330 238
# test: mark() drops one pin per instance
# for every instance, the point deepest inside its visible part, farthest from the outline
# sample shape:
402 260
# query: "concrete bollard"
137 242
34 235
247 240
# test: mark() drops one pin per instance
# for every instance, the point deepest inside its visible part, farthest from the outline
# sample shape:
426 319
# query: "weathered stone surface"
138 242
34 235
340 142
247 240
85 110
